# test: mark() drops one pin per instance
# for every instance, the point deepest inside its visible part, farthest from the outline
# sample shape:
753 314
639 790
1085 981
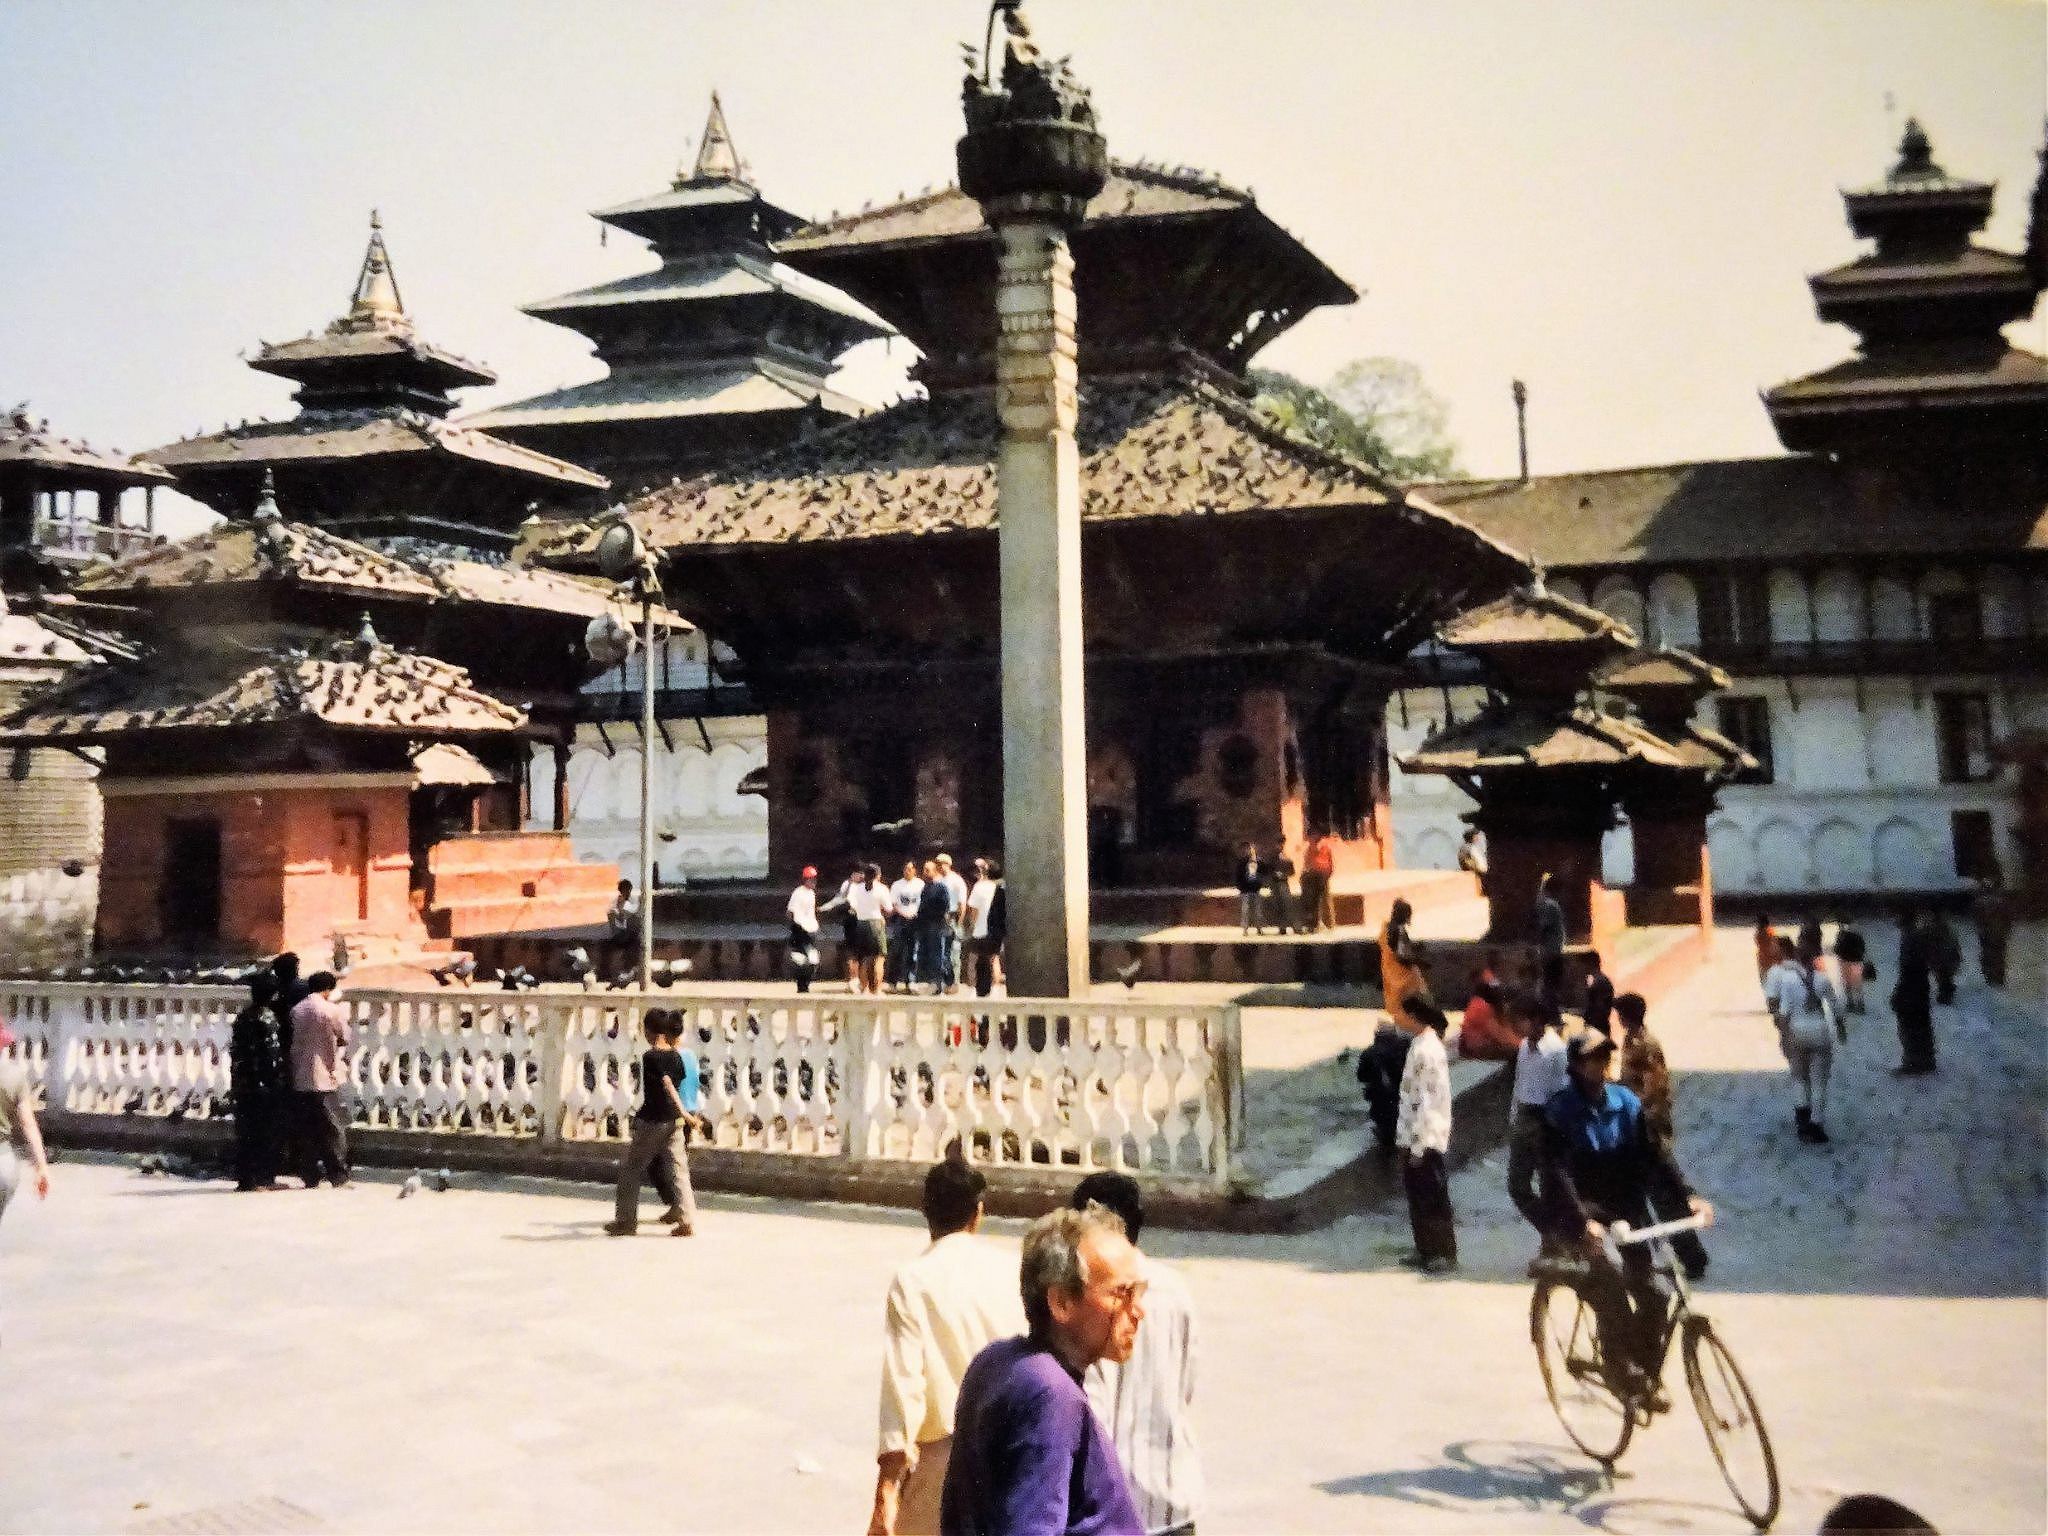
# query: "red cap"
810 872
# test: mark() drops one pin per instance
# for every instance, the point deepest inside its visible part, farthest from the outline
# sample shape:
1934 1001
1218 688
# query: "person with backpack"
1810 1020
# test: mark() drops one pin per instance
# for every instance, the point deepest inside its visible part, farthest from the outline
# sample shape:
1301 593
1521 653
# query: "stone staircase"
512 882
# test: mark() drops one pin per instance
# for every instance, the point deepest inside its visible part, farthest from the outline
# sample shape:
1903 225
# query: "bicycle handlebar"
1626 1236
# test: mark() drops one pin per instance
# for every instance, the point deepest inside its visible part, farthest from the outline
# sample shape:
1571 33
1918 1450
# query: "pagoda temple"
1550 762
1928 306
370 451
1249 598
1878 598
721 349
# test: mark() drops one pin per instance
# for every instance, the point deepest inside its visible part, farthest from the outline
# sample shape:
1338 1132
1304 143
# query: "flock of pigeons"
577 966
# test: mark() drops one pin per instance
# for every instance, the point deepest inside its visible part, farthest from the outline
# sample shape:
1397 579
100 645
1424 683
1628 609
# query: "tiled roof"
1722 511
1533 616
1508 736
1971 266
290 357
716 277
651 394
343 435
1156 446
234 552
345 684
1665 668
307 556
1132 192
26 440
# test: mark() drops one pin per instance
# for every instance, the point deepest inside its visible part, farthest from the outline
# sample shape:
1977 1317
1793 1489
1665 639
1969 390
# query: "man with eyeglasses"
1030 1458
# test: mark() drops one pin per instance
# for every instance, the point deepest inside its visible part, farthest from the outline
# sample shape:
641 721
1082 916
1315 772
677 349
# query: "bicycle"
1601 1418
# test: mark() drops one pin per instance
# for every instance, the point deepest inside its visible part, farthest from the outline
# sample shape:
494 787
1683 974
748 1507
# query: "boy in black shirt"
658 1138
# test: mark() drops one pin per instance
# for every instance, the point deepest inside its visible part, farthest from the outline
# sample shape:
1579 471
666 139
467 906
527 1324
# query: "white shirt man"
1423 1134
980 897
904 893
1147 1402
803 905
956 887
945 1306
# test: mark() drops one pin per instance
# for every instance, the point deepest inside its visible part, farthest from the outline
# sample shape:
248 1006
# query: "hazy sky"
1618 202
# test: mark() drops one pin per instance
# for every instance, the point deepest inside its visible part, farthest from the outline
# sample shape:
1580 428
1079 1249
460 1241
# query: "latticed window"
1962 723
1745 719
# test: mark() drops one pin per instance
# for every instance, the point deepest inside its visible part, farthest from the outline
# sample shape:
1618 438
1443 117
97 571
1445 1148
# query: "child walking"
658 1137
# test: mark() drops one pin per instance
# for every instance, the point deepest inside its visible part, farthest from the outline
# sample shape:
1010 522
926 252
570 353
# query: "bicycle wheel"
1567 1341
1733 1422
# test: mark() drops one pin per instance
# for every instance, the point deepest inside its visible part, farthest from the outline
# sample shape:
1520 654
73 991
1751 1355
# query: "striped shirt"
1147 1404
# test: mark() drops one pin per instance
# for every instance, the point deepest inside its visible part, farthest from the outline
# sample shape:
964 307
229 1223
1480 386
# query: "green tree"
1377 410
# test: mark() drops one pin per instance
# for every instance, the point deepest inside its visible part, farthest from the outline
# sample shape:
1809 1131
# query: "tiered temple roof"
1928 306
28 447
722 346
349 685
369 450
1167 259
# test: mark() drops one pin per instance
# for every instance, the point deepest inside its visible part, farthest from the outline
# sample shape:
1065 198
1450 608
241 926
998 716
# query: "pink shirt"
319 1036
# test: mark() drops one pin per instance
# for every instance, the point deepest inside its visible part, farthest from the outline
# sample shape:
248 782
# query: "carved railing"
1153 1088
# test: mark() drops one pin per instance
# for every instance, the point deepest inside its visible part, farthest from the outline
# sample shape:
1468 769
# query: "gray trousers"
1525 1152
654 1140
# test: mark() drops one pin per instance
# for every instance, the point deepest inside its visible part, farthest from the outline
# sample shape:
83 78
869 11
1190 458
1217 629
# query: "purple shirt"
1029 1456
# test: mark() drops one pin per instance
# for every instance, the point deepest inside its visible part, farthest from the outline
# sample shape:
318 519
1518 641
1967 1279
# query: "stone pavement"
177 1357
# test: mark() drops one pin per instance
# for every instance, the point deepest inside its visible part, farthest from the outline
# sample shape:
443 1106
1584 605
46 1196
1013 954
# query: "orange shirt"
1485 1036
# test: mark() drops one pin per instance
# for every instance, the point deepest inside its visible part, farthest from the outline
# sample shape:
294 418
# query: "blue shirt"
1030 1458
1603 1161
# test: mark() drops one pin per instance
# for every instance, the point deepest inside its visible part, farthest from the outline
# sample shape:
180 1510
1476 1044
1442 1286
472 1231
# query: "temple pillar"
1032 158
561 786
1536 825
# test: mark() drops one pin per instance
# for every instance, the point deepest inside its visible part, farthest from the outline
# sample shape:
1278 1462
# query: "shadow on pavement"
1498 1477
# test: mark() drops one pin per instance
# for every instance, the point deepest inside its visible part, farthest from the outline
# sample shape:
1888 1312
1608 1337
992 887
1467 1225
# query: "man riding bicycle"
1602 1165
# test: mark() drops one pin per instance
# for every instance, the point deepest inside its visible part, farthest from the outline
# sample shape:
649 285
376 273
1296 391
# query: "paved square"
176 1357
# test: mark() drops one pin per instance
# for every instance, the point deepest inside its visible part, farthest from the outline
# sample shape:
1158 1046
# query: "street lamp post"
624 557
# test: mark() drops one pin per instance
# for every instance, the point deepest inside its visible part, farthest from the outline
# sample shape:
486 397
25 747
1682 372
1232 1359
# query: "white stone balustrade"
1152 1088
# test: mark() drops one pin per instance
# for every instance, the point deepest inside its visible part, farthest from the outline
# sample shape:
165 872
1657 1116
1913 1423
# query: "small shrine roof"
1721 512
313 557
368 433
650 394
1506 735
1666 667
1178 445
721 276
445 763
1530 616
27 440
280 551
343 684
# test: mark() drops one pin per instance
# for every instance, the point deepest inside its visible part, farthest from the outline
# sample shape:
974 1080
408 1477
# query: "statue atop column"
1031 137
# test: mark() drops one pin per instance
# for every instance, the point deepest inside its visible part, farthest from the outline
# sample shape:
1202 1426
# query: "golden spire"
376 305
717 159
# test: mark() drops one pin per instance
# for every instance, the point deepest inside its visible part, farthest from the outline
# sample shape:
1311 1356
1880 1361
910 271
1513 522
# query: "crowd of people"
1019 1391
930 928
1267 896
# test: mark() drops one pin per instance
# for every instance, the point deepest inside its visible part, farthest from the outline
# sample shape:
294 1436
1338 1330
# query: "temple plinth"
1032 158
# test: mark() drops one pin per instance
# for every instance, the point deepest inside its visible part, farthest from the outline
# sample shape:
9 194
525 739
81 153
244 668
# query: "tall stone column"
1032 158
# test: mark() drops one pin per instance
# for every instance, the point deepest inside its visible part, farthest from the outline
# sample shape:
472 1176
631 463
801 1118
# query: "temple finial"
1916 155
376 303
717 158
266 513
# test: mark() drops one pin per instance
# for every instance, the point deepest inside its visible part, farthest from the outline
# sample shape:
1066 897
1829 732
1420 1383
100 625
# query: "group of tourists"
1048 1390
1266 893
287 1061
926 929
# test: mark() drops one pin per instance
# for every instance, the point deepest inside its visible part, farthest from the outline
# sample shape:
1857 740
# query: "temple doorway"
189 896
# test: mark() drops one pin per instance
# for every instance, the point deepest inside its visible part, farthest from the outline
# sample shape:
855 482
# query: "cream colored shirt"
945 1307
